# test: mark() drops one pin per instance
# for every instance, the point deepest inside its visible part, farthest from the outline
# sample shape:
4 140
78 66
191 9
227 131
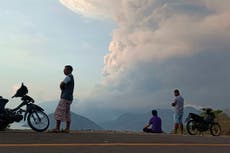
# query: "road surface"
109 142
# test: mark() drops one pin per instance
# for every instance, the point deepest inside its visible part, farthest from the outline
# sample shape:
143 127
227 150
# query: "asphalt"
109 142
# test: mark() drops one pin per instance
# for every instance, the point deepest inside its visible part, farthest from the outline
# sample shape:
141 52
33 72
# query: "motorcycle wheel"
191 127
38 121
215 129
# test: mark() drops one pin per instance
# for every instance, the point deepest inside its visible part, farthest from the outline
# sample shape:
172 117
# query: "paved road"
109 142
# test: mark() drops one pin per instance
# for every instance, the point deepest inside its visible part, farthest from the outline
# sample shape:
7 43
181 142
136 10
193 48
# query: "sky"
38 38
128 55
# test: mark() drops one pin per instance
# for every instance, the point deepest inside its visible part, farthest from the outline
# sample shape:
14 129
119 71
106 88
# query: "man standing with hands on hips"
178 104
62 112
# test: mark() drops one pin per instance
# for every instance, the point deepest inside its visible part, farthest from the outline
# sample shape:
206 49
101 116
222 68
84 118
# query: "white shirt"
179 101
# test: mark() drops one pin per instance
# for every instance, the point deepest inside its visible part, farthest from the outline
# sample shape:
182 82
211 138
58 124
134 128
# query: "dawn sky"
127 54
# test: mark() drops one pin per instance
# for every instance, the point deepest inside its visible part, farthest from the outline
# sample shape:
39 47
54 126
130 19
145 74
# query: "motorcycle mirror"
22 91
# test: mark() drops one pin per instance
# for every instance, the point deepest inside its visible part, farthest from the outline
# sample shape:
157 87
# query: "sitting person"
155 123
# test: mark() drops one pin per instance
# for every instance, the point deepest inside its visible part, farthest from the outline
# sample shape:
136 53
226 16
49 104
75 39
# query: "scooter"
197 123
36 118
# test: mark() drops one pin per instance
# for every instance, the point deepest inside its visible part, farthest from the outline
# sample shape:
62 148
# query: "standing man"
62 112
178 104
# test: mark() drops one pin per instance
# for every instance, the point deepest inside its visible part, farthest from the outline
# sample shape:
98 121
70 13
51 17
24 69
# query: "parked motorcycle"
197 123
36 118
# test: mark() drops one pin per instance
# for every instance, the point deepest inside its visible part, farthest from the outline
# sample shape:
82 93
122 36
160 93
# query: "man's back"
155 121
67 92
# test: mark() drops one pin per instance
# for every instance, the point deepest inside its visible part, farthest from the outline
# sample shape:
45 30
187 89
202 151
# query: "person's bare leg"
181 128
57 127
58 123
68 125
175 128
67 129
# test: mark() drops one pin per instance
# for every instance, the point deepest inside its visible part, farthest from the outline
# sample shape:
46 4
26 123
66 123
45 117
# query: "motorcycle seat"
196 117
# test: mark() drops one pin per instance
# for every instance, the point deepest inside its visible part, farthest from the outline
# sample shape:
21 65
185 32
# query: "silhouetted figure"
178 104
62 112
155 123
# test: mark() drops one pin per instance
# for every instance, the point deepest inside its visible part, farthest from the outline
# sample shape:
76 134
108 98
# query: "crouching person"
154 123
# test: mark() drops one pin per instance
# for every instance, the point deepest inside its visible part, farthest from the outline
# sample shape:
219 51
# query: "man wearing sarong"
62 112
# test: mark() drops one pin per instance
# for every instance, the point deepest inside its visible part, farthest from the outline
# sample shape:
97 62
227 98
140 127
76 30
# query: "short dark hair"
69 67
154 112
177 91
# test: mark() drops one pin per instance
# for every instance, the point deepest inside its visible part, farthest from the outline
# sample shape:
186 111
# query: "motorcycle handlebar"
26 99
206 109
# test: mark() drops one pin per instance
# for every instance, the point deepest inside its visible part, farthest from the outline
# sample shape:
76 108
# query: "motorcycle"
197 123
36 118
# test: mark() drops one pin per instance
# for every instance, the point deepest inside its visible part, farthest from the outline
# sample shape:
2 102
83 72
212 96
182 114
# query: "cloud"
160 45
92 8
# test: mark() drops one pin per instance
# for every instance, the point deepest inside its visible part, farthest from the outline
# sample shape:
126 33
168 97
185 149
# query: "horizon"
126 55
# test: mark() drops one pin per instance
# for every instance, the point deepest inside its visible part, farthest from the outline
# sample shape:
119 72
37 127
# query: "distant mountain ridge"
136 122
129 121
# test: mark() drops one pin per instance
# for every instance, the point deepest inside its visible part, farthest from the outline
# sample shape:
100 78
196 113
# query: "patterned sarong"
62 112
